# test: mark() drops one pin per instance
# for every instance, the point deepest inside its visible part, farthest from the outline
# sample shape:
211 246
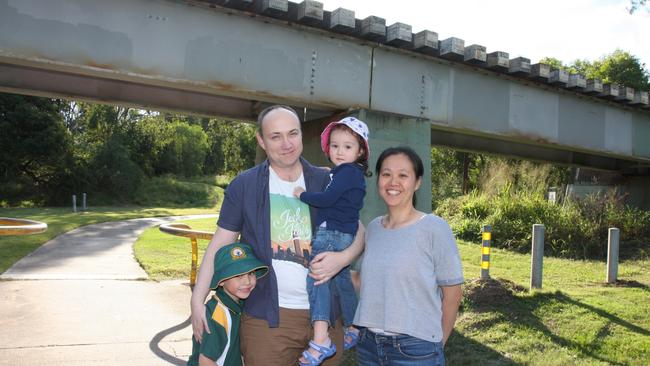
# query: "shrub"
577 229
168 190
113 173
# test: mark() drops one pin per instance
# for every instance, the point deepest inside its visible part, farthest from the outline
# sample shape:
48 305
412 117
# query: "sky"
563 29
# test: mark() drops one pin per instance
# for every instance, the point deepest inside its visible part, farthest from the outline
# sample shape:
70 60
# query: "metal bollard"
485 252
195 260
83 205
613 238
537 257
74 203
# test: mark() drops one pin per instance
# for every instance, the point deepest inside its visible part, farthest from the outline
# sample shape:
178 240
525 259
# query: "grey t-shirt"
401 274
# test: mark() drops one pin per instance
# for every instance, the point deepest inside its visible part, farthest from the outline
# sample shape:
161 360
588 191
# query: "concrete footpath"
82 299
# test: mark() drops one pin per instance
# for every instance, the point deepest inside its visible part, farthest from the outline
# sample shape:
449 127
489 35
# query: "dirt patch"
485 294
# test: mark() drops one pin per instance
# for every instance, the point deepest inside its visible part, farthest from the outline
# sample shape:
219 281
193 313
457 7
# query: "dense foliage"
53 149
512 199
619 67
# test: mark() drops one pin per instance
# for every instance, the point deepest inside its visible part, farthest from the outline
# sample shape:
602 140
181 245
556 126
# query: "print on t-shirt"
290 229
290 241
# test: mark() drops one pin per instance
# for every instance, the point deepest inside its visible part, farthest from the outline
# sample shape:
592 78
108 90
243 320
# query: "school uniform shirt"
222 343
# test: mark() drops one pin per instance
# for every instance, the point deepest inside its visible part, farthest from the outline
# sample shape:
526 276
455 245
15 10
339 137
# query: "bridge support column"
386 130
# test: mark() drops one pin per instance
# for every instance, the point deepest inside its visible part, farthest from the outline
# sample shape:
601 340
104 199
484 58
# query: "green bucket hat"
234 260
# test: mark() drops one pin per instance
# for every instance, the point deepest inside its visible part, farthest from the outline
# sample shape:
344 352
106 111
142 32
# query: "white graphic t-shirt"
290 240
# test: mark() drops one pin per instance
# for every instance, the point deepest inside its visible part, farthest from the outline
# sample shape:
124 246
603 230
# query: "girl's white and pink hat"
356 125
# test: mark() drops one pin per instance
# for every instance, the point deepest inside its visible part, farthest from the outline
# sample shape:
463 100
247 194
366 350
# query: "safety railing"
187 232
9 226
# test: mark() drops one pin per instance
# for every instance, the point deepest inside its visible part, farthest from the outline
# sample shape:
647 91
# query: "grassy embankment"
575 319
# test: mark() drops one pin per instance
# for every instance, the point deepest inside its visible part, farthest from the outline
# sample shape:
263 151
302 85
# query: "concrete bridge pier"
386 130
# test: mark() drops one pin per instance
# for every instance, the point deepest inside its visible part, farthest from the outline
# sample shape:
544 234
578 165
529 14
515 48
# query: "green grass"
164 256
60 220
574 320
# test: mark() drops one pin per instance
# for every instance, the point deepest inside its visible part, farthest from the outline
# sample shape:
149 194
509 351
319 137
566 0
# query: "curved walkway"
79 300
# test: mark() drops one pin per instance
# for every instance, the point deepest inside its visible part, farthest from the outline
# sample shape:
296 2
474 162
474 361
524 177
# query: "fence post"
612 254
74 203
537 257
485 252
84 202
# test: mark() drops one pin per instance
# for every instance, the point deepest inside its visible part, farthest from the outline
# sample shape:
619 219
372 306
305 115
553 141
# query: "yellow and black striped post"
485 252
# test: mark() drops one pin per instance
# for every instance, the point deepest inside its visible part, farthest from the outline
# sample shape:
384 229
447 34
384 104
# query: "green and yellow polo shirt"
222 344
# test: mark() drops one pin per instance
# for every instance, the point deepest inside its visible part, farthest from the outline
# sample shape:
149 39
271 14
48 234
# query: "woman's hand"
451 297
326 265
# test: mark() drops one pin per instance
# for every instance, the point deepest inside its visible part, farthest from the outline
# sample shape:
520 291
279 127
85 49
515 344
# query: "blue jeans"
402 350
341 284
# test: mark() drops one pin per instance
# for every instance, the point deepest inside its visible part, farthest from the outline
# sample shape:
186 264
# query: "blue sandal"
352 336
325 352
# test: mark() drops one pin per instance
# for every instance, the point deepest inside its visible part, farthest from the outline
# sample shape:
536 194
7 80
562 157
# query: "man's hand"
298 191
326 265
199 321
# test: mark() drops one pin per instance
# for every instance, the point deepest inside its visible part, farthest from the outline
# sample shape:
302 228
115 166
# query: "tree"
447 168
185 149
240 148
112 172
232 147
553 62
36 148
636 5
147 142
618 67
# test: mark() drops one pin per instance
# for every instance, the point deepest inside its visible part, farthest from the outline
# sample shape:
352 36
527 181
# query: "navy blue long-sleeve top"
339 204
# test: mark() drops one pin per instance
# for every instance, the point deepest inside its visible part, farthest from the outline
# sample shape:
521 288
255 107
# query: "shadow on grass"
602 313
461 350
500 297
628 283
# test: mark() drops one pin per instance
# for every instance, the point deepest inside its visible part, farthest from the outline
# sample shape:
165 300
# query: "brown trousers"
283 346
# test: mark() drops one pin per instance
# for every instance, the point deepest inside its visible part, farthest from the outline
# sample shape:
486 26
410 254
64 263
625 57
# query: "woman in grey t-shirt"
410 273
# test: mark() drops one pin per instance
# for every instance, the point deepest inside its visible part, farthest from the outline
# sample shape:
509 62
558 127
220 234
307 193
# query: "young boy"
236 270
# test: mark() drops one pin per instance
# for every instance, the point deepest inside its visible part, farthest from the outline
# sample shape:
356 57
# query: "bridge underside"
54 83
514 149
60 84
194 57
